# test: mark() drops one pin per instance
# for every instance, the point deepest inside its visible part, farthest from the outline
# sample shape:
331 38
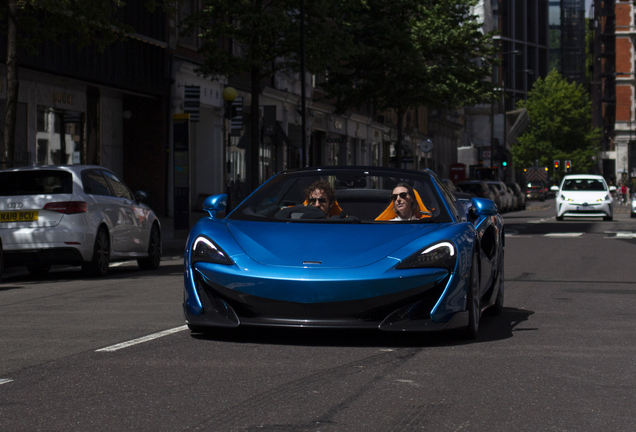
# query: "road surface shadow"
17 277
492 328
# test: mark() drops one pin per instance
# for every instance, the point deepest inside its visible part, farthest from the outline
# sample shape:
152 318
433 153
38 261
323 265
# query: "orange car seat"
389 213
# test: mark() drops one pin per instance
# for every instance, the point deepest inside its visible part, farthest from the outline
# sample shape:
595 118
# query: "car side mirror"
140 196
612 188
214 204
554 188
483 207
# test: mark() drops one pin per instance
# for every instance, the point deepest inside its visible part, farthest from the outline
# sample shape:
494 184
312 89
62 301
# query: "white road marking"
564 235
540 220
142 339
5 380
628 235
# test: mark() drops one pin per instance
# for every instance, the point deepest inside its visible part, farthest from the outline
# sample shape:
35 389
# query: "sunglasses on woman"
320 200
402 195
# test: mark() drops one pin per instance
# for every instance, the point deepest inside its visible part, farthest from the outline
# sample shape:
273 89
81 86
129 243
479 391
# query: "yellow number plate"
19 216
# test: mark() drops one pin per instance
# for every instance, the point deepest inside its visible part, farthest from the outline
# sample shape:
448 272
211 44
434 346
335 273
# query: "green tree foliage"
560 126
411 53
259 38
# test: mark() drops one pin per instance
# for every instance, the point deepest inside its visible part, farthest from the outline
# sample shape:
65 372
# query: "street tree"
411 53
560 126
258 38
27 23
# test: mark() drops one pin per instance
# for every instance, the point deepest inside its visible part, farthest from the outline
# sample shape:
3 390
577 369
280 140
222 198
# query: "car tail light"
67 207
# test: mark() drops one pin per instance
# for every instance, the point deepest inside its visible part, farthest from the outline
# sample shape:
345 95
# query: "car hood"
328 245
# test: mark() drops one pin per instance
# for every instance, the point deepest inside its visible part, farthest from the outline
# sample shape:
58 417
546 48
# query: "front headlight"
440 255
607 198
205 250
563 198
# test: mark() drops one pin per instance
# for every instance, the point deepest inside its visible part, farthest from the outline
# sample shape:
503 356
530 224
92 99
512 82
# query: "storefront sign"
62 98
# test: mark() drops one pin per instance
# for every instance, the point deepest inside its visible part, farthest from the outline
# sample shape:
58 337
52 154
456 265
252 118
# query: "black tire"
559 218
98 266
154 251
473 302
499 301
38 270
608 218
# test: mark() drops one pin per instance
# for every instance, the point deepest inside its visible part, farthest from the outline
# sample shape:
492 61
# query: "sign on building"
192 102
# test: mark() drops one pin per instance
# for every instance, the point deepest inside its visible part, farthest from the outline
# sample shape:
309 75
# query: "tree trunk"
8 154
400 135
255 133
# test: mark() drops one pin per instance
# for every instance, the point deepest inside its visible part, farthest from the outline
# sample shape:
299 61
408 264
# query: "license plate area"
585 208
19 216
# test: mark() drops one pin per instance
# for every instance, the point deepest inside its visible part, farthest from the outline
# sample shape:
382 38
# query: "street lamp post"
492 140
229 94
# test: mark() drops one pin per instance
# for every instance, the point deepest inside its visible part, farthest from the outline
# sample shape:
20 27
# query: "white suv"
76 214
583 195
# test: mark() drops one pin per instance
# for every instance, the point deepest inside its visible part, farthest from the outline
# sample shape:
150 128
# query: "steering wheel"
300 212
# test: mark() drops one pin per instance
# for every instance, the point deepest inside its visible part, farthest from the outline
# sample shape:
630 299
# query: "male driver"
320 194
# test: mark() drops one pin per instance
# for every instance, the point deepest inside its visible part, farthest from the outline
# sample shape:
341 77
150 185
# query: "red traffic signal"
567 165
556 164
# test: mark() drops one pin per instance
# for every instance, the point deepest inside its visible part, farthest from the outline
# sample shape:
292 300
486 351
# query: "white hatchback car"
75 214
584 195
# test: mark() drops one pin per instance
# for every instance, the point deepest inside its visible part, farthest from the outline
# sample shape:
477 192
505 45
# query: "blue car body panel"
307 274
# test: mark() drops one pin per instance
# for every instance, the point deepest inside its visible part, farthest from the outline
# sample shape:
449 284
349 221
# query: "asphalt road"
559 358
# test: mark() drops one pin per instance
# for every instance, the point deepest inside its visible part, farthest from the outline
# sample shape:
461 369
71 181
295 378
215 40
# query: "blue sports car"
350 247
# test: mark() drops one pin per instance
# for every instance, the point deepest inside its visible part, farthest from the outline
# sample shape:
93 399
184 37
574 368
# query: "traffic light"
504 164
556 164
567 166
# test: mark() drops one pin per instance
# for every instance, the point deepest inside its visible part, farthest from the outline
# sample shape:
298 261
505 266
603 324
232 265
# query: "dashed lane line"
142 339
5 380
564 235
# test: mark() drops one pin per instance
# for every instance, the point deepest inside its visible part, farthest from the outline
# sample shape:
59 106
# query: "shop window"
59 137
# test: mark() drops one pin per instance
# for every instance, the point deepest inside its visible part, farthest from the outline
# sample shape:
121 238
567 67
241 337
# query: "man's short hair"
324 186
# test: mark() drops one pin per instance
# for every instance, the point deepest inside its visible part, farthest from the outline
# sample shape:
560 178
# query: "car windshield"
35 182
362 195
585 184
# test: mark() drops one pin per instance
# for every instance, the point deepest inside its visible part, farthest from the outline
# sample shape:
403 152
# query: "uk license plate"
584 208
19 216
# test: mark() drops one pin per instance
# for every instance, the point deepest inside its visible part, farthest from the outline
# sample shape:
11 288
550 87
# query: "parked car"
632 212
501 204
478 187
450 185
507 199
584 195
536 189
76 214
521 197
275 261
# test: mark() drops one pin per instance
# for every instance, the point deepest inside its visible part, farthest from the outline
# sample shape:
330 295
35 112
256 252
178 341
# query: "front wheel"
559 218
473 302
608 218
98 266
154 251
499 301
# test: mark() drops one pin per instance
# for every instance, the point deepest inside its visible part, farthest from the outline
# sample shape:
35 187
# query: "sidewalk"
173 242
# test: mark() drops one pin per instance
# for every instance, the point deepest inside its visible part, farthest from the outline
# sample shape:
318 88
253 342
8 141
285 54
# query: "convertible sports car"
277 261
